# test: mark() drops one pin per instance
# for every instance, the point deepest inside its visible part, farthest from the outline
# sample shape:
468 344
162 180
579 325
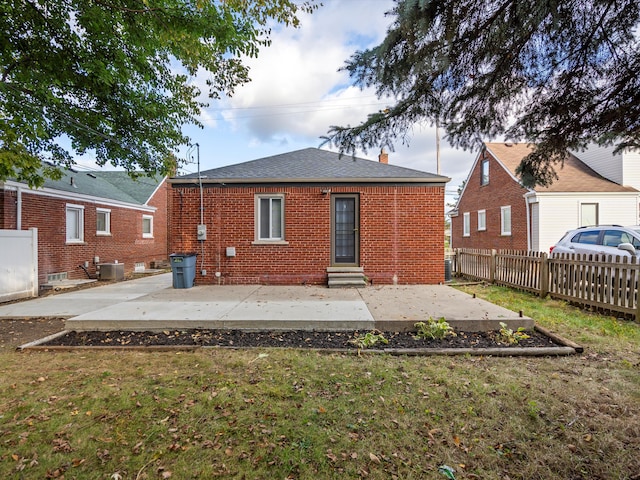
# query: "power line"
285 105
280 114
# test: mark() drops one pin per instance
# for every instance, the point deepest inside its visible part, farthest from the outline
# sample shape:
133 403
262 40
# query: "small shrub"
434 329
507 335
368 340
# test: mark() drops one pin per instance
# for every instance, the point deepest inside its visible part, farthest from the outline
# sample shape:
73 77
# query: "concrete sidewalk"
150 303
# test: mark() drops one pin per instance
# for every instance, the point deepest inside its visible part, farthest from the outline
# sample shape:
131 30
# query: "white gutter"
438 181
19 210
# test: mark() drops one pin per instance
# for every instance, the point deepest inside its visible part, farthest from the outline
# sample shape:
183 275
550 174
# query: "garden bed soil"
288 339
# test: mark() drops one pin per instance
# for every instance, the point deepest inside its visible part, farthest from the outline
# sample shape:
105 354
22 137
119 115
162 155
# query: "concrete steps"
346 277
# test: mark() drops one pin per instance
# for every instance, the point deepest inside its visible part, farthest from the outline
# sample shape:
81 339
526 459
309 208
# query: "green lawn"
289 414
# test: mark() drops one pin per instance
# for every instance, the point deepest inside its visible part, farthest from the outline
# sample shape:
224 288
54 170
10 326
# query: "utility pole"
438 146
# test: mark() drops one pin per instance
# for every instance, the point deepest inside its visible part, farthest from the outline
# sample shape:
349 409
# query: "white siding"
603 161
631 168
561 212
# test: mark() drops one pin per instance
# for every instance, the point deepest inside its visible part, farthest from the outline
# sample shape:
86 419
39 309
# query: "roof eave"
441 180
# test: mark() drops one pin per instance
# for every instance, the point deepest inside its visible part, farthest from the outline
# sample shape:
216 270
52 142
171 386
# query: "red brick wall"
8 209
125 244
401 234
502 190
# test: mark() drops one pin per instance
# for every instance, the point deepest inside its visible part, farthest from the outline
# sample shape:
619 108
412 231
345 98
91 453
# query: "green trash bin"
183 266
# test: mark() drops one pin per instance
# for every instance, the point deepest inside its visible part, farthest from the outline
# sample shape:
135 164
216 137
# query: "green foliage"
557 74
434 329
369 340
509 336
114 77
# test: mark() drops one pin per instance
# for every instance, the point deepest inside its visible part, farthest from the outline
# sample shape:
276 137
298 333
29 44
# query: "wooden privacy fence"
604 282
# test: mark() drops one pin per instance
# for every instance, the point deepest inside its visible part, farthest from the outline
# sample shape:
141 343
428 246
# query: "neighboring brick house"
298 217
89 216
495 211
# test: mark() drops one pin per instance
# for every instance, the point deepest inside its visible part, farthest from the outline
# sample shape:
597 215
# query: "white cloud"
297 92
297 88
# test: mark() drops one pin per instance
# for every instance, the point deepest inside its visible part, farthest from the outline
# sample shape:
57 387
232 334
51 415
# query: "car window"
589 237
613 238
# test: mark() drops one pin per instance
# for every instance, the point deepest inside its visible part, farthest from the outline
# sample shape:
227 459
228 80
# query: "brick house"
310 216
90 218
495 211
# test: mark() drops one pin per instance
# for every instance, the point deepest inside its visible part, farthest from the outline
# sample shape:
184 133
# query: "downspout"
528 197
527 206
19 209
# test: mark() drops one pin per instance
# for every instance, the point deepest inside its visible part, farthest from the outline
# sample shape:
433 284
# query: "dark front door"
345 225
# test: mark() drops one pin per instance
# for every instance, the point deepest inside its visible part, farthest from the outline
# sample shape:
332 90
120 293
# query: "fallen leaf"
374 458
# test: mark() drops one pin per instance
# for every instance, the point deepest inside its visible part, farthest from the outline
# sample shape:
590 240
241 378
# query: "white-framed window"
103 221
484 172
588 214
505 220
147 226
269 214
482 220
75 223
466 224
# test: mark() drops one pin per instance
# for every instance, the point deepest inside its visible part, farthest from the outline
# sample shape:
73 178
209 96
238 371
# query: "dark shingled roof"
314 165
113 185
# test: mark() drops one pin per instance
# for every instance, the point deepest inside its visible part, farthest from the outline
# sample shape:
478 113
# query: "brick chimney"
383 157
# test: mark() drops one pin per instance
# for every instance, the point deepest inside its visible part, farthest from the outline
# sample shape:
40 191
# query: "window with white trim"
75 223
482 220
269 218
466 224
505 220
103 221
147 226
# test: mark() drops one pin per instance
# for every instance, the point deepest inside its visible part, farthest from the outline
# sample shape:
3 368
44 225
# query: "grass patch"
299 414
600 332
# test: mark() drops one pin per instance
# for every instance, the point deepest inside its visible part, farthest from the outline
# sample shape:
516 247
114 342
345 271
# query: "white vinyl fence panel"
18 264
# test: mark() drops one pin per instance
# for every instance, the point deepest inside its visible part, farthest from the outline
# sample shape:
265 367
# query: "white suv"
600 240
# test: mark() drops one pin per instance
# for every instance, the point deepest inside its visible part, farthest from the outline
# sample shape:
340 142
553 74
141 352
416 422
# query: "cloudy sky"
296 92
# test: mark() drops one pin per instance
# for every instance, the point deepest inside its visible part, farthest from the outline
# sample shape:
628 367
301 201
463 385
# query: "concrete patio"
151 303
